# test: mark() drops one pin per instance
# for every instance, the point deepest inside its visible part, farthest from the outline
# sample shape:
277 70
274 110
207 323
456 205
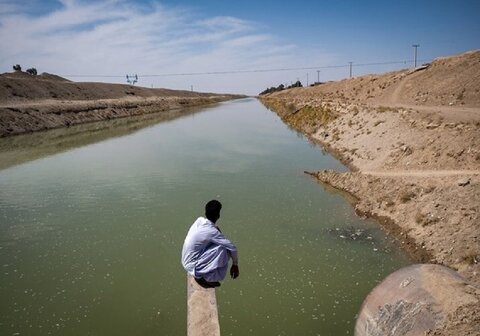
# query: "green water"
90 236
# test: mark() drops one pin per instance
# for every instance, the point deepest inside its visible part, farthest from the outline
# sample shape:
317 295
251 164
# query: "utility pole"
307 78
318 76
350 69
415 54
191 88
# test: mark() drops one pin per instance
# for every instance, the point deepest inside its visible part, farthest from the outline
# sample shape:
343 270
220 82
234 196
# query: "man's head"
212 210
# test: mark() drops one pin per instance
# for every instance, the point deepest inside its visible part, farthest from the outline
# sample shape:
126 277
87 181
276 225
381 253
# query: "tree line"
281 87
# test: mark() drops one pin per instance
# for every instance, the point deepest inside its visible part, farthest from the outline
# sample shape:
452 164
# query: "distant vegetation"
31 71
281 87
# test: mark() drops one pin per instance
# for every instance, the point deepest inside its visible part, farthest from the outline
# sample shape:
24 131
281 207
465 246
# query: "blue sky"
116 37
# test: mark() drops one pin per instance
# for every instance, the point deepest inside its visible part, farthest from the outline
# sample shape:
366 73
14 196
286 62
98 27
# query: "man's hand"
234 271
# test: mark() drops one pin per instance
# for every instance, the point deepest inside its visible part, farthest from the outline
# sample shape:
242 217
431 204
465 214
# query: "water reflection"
27 147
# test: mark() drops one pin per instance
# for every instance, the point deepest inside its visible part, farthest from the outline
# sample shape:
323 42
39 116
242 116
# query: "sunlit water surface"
90 238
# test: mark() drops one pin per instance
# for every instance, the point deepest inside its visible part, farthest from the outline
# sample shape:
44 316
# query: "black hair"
212 209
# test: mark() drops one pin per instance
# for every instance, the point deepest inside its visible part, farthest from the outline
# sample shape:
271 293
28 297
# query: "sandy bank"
412 139
34 103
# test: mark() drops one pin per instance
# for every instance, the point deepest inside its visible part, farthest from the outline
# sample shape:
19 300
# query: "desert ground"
412 141
31 103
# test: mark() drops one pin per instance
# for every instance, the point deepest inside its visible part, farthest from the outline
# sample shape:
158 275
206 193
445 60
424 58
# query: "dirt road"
422 173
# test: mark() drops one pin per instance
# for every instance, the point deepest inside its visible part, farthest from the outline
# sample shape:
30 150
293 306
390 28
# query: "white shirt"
203 233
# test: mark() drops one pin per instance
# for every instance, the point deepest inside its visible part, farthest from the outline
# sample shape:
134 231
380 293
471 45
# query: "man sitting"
206 251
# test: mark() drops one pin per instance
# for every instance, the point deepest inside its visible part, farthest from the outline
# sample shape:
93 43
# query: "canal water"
91 230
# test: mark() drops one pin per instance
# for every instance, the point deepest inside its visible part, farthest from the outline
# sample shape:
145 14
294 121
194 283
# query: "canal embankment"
411 139
31 103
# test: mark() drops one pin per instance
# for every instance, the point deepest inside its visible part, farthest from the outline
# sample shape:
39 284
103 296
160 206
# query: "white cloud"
117 37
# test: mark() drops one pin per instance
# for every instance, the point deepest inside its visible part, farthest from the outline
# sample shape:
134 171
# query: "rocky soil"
34 103
412 140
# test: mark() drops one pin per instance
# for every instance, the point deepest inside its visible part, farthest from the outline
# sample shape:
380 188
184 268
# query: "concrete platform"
202 313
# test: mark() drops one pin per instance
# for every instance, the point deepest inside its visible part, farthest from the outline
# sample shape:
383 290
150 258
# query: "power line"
252 71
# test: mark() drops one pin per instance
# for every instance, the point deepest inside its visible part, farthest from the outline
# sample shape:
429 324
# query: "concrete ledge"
202 314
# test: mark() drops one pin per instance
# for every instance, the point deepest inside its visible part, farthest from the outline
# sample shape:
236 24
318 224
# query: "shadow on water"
28 147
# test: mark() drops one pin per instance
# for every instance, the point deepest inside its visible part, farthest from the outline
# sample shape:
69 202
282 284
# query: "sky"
178 44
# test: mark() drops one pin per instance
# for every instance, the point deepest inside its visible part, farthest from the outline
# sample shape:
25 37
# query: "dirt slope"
32 103
412 139
20 87
447 81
